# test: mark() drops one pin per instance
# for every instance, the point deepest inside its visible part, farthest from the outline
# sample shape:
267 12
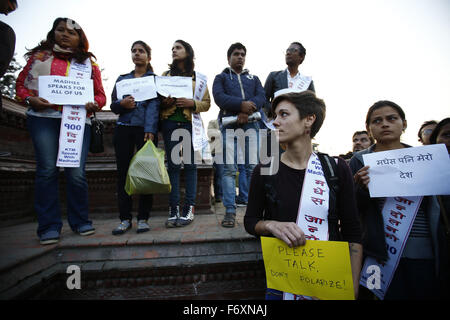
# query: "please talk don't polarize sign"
319 269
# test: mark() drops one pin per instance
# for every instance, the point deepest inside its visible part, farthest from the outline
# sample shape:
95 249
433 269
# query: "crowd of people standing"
287 103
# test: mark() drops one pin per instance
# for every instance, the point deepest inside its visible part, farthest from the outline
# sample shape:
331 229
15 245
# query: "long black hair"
147 49
80 54
188 62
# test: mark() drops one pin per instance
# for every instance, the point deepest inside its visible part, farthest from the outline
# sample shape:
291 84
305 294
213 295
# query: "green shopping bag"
147 173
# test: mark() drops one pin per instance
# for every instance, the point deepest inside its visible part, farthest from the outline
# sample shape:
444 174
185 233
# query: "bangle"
27 101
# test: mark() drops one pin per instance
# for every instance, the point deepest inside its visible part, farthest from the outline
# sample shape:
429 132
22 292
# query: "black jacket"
277 80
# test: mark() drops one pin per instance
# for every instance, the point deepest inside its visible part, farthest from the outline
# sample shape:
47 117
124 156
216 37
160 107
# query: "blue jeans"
190 169
218 174
248 155
45 136
244 183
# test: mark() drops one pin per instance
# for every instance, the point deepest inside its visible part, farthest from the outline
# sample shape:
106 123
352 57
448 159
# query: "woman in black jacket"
423 263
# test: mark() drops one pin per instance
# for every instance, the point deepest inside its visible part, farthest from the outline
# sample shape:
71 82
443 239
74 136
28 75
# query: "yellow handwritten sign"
319 269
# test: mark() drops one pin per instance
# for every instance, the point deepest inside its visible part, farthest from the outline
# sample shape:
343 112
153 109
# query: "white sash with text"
199 138
398 217
73 122
312 215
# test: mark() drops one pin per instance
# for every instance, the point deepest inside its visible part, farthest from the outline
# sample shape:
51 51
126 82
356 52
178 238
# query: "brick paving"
22 256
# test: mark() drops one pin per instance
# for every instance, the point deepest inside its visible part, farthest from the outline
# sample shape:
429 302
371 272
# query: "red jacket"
56 65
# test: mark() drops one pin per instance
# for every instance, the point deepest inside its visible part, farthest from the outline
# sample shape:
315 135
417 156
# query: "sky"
357 51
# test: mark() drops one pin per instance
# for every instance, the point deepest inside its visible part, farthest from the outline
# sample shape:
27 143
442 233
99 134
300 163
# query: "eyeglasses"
427 132
292 50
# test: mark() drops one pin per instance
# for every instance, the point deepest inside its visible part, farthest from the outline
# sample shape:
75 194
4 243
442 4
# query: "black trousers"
127 141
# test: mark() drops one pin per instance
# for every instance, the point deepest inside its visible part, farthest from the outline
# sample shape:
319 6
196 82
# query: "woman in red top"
65 44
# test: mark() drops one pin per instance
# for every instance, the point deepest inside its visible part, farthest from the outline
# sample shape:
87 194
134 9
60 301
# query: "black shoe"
187 216
174 214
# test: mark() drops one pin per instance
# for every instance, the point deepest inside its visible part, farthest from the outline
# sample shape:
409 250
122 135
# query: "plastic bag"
147 173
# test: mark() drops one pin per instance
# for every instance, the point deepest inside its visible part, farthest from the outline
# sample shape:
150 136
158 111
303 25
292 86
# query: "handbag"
96 145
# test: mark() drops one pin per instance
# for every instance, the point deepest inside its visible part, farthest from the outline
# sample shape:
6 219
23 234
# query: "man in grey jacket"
289 77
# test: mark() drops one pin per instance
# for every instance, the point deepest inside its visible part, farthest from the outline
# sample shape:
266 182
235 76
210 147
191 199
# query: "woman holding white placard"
422 264
63 53
176 113
137 123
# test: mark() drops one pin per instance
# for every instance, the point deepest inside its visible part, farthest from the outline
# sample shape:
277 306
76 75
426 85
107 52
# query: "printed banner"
312 215
140 89
73 120
71 136
199 139
176 87
66 90
319 269
398 216
418 171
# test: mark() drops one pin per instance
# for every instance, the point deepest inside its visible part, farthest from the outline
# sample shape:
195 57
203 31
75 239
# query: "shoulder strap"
270 192
330 168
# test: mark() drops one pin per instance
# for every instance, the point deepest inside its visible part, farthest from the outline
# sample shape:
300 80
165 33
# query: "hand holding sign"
176 87
128 102
62 90
319 269
39 104
418 171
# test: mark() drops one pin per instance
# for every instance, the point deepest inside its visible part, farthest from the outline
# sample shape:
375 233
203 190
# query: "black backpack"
329 168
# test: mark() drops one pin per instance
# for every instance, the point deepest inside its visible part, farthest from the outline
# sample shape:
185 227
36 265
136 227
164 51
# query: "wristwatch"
27 101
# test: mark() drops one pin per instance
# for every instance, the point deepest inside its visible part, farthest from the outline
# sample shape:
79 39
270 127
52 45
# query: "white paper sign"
140 89
71 136
176 87
66 90
418 171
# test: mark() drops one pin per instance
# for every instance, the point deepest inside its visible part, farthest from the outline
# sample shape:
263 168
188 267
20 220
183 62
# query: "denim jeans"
218 174
244 183
45 136
248 155
190 169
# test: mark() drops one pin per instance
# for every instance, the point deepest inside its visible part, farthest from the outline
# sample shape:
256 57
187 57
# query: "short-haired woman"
275 208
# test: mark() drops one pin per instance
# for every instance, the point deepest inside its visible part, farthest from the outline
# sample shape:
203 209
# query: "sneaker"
86 230
49 237
240 203
174 214
123 227
142 226
187 216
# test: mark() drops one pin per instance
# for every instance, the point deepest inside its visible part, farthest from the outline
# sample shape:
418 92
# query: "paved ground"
19 243
24 262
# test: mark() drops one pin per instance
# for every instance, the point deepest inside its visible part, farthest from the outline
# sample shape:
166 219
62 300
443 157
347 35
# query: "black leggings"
127 141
